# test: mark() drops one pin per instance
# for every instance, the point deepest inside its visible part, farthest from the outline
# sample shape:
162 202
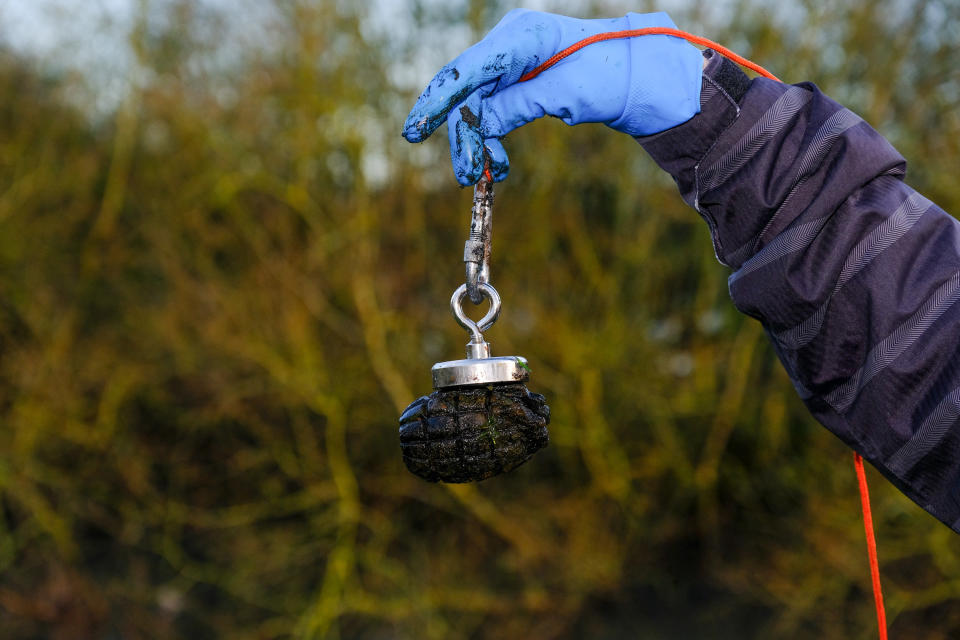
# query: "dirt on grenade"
465 434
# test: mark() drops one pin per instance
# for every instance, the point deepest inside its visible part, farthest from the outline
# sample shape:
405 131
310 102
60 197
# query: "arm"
853 274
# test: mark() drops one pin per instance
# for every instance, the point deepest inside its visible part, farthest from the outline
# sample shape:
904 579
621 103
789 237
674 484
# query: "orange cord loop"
648 31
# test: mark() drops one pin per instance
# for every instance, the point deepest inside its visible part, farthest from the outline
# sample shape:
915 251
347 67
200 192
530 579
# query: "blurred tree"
215 303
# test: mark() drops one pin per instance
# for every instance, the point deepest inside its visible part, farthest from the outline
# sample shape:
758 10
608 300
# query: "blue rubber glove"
639 86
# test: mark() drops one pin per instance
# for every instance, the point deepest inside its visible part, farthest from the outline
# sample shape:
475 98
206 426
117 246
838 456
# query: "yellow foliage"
214 305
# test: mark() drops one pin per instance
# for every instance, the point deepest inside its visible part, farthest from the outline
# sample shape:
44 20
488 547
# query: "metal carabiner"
476 250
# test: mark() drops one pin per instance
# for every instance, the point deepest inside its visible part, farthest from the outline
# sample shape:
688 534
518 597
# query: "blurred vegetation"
216 299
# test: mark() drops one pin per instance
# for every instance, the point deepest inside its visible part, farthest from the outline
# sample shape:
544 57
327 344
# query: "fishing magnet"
480 420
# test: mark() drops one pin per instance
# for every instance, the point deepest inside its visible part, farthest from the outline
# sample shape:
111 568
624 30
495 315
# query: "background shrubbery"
216 296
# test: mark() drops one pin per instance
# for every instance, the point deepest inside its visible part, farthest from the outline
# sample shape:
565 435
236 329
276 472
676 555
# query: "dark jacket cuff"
678 150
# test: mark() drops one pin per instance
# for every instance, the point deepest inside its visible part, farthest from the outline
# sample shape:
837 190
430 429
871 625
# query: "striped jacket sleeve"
854 275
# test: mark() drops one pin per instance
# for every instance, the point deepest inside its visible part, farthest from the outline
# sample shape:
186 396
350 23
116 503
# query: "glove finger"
468 149
498 60
466 143
499 163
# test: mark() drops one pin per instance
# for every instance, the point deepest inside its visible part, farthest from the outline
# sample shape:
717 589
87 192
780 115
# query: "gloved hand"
639 85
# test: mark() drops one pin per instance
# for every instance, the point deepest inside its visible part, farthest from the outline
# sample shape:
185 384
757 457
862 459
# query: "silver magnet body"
479 372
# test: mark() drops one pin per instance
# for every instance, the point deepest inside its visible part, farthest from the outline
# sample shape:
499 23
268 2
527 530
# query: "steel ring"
475 328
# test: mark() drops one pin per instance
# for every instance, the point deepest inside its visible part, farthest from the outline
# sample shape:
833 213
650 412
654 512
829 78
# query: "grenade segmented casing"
463 434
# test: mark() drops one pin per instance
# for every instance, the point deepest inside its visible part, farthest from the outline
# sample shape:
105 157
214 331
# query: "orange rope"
648 31
871 545
857 460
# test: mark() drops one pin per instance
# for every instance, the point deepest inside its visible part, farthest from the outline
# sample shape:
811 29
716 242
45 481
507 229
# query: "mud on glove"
639 86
